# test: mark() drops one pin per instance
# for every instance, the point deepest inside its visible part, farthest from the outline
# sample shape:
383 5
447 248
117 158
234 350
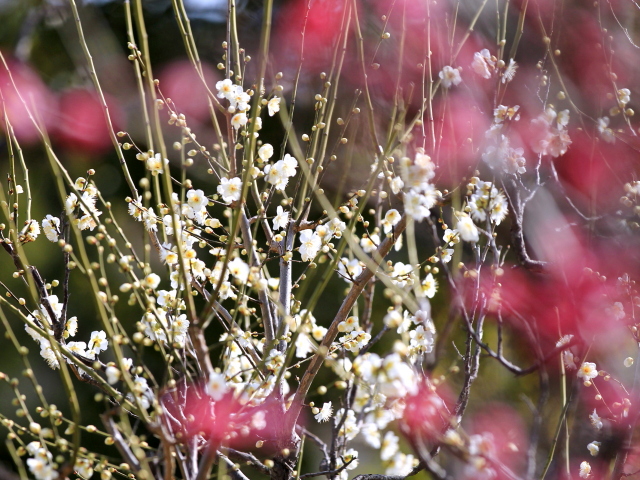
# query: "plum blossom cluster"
42 320
415 181
499 154
485 202
549 132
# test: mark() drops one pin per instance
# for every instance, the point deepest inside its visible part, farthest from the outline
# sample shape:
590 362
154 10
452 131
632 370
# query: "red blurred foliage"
191 412
595 170
82 126
323 23
427 413
39 100
505 429
180 82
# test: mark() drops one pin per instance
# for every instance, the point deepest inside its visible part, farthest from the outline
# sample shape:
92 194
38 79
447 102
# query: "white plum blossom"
310 244
156 165
605 131
595 420
196 199
467 229
225 89
450 76
230 189
279 173
446 255
594 448
239 120
370 243
265 152
349 269
585 469
429 286
273 106
417 205
281 220
587 371
97 343
391 219
624 97
483 64
389 446
51 228
510 71
239 269
217 386
324 414
152 281
547 139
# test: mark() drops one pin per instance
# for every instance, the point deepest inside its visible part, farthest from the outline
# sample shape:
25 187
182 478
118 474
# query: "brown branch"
318 359
516 211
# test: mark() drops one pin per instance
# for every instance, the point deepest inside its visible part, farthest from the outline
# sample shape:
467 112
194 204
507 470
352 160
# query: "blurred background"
39 40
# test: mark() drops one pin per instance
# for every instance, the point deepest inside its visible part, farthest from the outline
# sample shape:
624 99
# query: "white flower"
239 269
450 76
588 371
617 310
325 413
349 269
196 199
239 99
391 219
48 354
429 286
628 362
71 327
585 469
152 281
595 420
230 190
417 205
605 132
31 231
155 164
393 319
281 220
510 71
265 152
225 88
281 171
217 386
310 244
569 360
422 339
370 244
71 203
446 255
483 64
274 106
239 120
396 185
97 343
150 220
113 375
83 467
467 229
51 227
624 97
389 446
77 347
594 448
